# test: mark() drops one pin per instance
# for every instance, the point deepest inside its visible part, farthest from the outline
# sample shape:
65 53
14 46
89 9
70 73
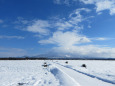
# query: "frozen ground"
58 73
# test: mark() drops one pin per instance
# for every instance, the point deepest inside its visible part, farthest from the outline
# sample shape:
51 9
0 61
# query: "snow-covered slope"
57 73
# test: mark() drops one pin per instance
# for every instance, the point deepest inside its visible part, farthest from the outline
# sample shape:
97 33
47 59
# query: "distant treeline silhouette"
54 58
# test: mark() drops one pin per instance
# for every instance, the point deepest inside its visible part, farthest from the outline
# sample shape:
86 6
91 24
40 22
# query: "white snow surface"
57 73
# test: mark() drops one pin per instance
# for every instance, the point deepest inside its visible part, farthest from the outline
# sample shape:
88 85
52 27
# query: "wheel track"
67 76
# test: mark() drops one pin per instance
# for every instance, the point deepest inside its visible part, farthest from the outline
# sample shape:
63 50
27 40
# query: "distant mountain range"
55 57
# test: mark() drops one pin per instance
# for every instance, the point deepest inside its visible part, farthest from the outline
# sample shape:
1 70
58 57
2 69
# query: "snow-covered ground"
58 73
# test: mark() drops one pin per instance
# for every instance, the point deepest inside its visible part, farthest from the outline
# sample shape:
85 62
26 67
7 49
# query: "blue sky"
71 28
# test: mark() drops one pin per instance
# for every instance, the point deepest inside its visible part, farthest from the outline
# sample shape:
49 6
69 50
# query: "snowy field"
57 73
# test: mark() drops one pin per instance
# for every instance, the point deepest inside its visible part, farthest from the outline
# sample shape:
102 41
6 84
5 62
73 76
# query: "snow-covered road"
64 78
82 79
57 73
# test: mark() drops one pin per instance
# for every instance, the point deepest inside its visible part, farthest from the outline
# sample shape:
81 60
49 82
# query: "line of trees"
56 58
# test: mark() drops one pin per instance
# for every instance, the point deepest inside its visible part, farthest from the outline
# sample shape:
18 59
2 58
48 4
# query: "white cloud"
1 21
104 38
63 25
76 17
65 39
102 5
42 27
89 1
73 22
39 26
68 45
99 13
101 38
12 52
112 10
21 20
11 37
77 11
66 2
85 51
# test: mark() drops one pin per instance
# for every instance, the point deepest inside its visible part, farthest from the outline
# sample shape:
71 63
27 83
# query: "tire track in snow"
63 77
36 83
92 76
